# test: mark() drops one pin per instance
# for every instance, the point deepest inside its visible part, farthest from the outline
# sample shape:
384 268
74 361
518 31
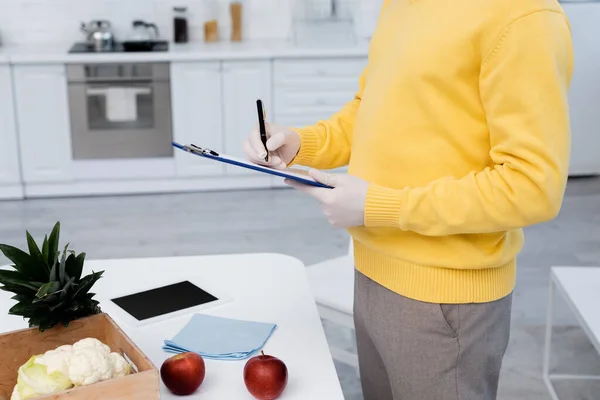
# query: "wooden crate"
18 346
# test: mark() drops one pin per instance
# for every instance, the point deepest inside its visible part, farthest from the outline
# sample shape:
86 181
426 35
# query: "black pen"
263 129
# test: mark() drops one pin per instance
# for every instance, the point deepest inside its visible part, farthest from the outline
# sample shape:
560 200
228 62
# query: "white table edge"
556 283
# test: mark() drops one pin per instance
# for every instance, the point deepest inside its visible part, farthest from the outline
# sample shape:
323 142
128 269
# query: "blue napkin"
219 338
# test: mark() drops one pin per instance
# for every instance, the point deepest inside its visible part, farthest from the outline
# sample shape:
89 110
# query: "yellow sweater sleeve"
524 81
327 144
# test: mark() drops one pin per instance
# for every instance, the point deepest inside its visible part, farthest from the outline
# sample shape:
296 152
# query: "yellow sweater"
460 126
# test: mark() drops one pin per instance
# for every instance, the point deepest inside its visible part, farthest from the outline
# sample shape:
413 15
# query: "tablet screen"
163 300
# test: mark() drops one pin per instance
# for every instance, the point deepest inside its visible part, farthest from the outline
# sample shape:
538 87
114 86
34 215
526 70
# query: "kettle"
143 32
99 35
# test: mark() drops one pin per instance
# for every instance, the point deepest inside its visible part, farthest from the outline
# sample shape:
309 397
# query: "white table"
580 287
263 287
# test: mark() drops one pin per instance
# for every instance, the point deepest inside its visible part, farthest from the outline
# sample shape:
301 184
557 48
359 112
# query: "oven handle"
115 80
103 90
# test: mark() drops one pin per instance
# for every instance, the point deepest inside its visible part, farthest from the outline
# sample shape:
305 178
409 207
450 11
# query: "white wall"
57 21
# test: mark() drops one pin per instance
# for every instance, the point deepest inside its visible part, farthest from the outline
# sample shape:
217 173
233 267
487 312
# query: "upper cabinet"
197 117
244 82
42 111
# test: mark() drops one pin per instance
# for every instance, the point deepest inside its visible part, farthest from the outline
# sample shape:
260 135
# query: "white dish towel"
121 102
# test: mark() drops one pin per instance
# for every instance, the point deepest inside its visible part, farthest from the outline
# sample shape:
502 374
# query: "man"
457 138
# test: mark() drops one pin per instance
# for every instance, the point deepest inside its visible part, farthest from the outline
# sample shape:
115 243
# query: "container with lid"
180 25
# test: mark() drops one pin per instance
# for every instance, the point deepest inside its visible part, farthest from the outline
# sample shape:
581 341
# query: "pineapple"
47 285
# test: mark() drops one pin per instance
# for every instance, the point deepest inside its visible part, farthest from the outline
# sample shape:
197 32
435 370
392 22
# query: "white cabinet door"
244 82
9 154
43 119
197 119
584 94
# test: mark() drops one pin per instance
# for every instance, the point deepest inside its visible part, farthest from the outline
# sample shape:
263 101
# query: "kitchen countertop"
198 51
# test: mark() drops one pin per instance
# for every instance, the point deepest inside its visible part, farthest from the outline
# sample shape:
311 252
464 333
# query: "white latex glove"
344 205
283 145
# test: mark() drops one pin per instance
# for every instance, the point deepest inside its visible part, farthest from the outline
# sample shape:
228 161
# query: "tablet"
163 302
289 173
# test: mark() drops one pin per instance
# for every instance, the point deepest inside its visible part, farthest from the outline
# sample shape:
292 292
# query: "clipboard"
289 173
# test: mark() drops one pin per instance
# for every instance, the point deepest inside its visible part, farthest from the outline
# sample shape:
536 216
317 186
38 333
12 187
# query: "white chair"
332 282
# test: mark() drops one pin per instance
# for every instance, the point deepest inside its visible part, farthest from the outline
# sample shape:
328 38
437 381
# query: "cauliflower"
87 361
92 343
90 365
15 394
120 366
56 360
34 380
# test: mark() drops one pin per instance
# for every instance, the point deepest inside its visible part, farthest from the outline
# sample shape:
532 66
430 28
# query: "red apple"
183 373
265 377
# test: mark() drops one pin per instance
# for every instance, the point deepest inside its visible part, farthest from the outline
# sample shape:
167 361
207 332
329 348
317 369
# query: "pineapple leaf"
18 290
53 244
62 273
47 289
57 306
21 298
45 249
12 274
75 266
65 291
24 263
87 282
21 308
54 272
34 250
50 299
14 278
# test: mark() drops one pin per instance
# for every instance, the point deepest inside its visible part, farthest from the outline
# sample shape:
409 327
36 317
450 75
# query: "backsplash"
57 21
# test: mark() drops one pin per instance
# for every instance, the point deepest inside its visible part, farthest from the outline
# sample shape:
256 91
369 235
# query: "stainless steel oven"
120 110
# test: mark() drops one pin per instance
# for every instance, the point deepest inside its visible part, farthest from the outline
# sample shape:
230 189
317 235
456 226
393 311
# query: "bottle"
180 25
235 9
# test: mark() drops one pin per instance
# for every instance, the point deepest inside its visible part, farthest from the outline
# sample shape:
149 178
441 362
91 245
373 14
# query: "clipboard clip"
192 148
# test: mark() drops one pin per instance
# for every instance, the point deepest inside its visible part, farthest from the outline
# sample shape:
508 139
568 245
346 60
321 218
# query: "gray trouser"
411 350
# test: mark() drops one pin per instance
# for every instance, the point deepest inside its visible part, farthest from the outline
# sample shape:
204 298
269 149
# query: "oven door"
120 119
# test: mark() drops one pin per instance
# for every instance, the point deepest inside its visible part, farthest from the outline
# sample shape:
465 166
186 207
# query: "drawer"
318 85
320 69
299 120
298 101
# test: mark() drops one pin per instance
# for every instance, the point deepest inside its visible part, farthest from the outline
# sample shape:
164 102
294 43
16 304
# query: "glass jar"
211 21
180 25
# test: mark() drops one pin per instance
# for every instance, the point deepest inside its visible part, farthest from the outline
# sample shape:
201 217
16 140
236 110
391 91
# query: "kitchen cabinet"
197 118
243 83
309 90
584 93
10 177
40 93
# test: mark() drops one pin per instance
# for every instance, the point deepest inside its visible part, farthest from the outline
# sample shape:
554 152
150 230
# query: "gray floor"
286 222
